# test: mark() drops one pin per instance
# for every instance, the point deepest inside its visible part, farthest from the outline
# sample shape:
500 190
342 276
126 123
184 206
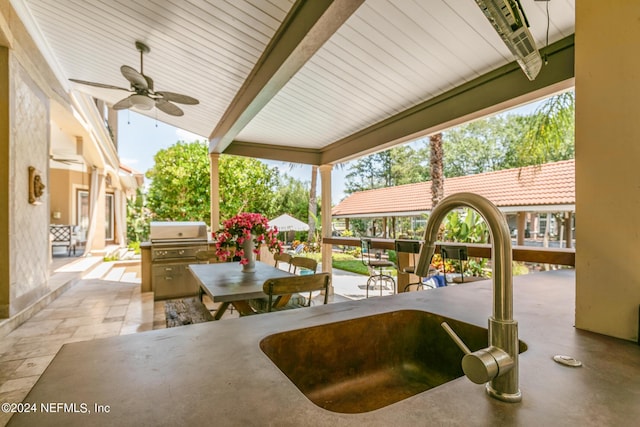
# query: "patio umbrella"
288 223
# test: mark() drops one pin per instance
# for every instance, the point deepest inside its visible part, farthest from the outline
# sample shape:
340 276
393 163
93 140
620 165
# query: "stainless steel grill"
173 247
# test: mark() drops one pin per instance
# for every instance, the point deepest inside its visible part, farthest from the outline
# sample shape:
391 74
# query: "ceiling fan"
143 95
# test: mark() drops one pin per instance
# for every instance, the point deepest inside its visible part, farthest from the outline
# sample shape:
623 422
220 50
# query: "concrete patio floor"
97 300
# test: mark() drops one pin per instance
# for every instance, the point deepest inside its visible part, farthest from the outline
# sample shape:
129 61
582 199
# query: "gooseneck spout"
497 365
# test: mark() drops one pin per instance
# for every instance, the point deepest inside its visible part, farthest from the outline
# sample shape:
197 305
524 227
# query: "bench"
63 235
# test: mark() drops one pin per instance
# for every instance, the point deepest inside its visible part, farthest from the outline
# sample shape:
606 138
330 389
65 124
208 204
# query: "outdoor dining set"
292 280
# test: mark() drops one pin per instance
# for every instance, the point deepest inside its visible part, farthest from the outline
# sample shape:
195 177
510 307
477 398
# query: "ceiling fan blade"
123 104
83 82
179 98
169 108
136 79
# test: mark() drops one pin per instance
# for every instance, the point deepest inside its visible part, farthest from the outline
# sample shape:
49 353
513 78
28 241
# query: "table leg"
243 307
220 311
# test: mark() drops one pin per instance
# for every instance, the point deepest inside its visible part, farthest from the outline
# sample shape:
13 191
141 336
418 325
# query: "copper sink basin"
370 362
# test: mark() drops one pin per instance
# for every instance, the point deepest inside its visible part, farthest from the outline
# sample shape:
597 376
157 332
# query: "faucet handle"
456 339
483 365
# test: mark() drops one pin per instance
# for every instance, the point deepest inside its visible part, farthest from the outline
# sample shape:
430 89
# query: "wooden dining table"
226 283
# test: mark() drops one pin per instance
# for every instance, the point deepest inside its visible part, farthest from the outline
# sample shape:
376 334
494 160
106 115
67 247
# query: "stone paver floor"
94 308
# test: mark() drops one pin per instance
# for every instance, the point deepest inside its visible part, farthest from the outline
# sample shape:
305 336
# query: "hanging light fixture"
142 102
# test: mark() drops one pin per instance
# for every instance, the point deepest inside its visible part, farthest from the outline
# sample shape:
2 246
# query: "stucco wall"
63 187
28 223
60 196
607 158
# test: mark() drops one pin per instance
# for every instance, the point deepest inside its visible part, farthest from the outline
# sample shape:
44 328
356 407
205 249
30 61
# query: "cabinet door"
173 281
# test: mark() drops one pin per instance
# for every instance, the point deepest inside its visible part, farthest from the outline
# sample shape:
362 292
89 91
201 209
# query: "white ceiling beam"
308 26
309 156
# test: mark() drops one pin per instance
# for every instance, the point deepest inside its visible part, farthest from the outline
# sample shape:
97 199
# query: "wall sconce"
56 214
36 186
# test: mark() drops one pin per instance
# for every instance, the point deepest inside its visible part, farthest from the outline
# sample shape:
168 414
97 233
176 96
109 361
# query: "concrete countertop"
215 373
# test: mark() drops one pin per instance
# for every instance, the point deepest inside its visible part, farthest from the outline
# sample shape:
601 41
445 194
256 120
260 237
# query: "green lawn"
343 262
352 265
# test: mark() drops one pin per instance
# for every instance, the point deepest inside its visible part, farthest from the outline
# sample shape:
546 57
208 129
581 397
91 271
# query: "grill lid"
160 231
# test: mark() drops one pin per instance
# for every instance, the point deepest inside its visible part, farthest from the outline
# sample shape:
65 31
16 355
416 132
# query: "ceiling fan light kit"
143 95
142 102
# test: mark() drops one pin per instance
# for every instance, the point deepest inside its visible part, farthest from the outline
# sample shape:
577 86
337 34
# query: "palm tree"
437 175
549 134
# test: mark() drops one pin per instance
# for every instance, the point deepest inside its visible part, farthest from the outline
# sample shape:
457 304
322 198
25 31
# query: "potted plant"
242 236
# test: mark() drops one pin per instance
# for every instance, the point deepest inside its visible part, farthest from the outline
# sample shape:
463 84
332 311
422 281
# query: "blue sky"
141 137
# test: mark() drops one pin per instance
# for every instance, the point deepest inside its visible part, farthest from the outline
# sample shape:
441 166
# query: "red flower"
240 228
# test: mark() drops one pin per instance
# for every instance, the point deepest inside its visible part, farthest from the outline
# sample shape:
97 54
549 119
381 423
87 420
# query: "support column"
607 135
120 208
214 192
522 219
325 210
5 188
568 233
95 234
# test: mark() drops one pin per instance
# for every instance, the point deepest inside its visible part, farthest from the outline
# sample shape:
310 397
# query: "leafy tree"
361 175
246 185
550 132
475 147
179 190
137 219
291 197
397 166
407 166
512 141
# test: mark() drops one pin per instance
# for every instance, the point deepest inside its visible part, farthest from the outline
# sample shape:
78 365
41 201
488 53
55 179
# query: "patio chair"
282 290
282 258
376 266
300 264
454 252
412 247
63 235
303 266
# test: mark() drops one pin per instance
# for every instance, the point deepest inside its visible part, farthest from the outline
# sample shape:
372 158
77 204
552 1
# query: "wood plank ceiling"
311 81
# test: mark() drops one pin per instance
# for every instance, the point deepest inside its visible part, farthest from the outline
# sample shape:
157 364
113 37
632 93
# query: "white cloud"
187 136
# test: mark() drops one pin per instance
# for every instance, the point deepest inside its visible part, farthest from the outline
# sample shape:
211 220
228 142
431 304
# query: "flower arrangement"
238 229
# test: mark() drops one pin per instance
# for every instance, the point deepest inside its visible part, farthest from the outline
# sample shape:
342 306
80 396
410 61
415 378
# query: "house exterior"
66 142
525 195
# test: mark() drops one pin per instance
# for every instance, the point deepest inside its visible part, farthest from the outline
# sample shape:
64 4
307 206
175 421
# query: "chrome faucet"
496 365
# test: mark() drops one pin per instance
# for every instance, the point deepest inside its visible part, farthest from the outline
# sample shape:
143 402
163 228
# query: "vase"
247 246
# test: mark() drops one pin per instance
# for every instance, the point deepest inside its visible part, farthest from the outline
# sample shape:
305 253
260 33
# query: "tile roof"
548 185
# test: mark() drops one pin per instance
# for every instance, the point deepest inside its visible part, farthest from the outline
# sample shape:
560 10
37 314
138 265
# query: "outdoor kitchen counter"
215 373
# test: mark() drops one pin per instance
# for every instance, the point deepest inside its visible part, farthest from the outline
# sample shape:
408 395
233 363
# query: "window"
83 211
83 214
108 217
